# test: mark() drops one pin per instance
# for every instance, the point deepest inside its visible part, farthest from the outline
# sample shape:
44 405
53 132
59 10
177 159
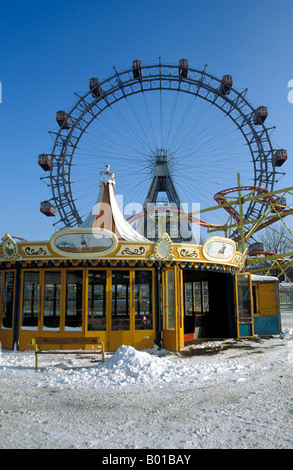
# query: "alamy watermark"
290 94
154 220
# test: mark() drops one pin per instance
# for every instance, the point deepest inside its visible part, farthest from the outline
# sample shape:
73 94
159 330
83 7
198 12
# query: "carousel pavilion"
105 279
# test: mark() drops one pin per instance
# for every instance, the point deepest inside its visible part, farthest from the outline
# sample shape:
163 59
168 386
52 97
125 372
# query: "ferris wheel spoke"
172 119
150 120
120 127
146 137
181 123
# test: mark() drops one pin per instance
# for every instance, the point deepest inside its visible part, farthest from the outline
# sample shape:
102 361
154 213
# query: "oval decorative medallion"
163 249
218 248
84 243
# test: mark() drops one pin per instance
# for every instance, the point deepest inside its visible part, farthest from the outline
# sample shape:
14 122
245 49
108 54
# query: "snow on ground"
229 394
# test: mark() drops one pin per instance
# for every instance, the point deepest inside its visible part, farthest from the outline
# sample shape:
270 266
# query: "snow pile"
130 367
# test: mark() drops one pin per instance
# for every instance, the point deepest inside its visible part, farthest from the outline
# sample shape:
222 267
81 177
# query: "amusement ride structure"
250 207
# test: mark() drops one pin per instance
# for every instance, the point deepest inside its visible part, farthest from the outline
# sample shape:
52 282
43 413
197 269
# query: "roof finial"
110 174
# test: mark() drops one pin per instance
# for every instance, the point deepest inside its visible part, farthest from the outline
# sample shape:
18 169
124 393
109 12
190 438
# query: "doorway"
208 305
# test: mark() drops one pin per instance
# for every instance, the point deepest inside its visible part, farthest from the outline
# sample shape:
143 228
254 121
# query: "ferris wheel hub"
161 156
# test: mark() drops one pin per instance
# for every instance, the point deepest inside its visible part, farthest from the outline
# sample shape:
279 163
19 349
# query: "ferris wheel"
206 130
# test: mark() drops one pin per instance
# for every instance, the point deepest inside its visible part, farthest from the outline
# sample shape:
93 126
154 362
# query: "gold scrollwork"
133 251
187 253
38 251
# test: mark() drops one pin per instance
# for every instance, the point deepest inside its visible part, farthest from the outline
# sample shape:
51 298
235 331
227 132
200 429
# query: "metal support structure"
241 214
162 185
273 212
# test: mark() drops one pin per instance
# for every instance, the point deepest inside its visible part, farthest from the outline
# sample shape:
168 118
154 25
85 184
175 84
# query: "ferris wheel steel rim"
155 77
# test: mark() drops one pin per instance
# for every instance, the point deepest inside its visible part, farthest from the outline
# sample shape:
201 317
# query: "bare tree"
278 240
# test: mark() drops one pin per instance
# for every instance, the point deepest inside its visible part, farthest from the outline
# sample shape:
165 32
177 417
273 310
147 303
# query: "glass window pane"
143 300
8 298
30 300
205 288
52 300
244 298
197 297
73 306
188 298
96 301
120 300
171 300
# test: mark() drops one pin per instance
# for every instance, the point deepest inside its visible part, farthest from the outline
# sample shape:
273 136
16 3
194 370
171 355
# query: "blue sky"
49 50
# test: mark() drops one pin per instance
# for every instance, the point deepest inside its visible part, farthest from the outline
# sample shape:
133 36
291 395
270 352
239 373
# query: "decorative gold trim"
9 249
56 262
94 262
74 262
163 249
242 262
149 263
131 262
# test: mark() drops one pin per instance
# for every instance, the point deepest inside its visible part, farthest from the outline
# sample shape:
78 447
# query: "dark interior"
208 305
